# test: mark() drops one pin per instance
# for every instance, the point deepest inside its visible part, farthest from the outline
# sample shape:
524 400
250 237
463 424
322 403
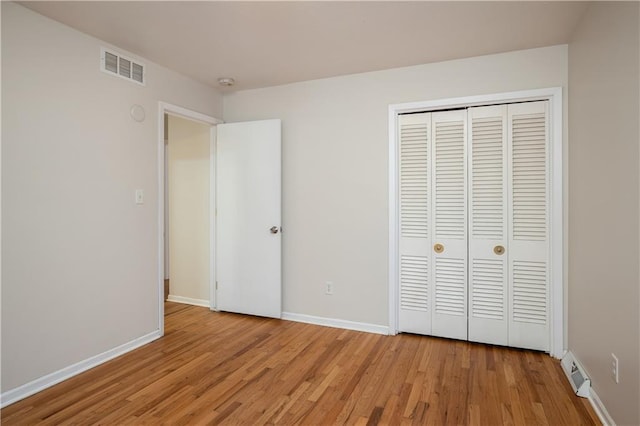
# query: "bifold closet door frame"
557 307
475 176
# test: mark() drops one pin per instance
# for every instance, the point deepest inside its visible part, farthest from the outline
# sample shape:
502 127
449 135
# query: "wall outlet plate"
328 287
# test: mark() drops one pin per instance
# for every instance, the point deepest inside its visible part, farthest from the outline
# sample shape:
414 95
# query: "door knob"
499 250
438 248
274 229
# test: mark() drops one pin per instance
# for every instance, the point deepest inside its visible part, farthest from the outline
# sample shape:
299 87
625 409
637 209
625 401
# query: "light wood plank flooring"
222 368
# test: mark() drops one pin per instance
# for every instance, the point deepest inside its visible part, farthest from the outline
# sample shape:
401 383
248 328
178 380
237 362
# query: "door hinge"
216 285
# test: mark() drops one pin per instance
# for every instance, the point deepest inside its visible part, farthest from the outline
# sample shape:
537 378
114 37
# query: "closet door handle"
438 248
499 250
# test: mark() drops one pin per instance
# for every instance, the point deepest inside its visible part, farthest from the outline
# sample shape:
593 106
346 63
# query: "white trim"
554 96
600 409
161 223
44 382
213 213
557 317
336 323
167 108
394 221
167 243
188 300
189 114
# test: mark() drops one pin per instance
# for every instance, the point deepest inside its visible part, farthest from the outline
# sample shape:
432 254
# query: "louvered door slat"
488 224
529 231
451 283
414 157
449 224
415 239
450 194
414 291
529 172
487 293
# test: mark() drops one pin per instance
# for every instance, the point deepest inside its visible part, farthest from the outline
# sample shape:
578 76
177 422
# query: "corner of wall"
604 203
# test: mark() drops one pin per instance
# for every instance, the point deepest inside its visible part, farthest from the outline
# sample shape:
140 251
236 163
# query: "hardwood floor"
223 368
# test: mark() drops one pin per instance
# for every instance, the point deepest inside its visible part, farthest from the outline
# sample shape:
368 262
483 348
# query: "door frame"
167 108
557 206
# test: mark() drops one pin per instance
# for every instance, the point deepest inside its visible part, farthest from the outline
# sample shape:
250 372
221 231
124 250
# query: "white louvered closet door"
474 224
415 236
528 246
449 224
488 251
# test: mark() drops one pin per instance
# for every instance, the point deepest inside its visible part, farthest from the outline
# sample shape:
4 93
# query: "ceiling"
263 43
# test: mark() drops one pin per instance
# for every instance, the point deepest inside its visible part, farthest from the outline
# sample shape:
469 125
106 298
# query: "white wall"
335 168
80 259
189 175
604 280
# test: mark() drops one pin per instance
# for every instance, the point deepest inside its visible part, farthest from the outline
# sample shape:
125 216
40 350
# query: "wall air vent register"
116 64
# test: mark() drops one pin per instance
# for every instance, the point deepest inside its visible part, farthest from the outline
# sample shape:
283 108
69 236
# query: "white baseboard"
188 300
600 409
336 323
37 385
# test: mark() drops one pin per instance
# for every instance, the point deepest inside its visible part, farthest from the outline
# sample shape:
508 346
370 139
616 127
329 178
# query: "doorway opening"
186 169
187 193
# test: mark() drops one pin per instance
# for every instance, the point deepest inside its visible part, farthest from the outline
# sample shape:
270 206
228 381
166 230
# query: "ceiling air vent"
115 64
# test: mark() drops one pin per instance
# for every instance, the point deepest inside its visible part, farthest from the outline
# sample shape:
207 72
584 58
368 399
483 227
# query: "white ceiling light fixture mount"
226 81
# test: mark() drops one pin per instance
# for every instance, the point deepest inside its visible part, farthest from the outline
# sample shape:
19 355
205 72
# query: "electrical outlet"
615 368
328 288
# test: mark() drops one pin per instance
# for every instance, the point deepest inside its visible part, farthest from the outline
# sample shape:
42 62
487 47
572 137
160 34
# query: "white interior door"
248 220
449 224
488 278
529 225
414 315
474 224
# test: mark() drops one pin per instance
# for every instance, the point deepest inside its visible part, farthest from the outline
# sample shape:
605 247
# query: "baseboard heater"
578 378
